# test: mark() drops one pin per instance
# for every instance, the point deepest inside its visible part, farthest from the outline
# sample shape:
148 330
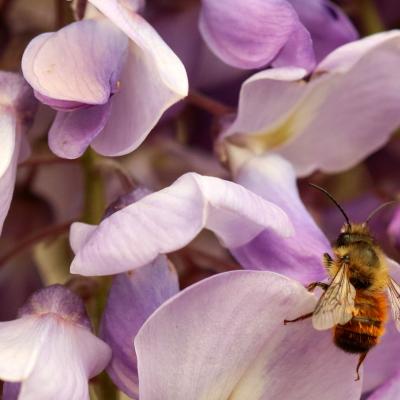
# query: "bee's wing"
394 298
336 305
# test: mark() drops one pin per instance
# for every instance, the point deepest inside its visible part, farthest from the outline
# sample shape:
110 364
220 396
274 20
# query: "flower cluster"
157 228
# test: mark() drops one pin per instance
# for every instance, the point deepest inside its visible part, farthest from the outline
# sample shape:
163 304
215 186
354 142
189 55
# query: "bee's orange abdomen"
364 330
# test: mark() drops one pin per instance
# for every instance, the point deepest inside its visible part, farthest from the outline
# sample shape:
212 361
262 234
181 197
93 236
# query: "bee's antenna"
379 208
334 201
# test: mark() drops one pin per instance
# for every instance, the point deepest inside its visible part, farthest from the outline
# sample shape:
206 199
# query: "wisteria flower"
223 338
17 106
50 348
347 109
133 297
299 256
257 33
168 220
110 77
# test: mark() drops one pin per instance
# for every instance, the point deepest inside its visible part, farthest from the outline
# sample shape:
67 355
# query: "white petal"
69 356
168 66
348 109
167 220
80 234
20 343
8 161
224 338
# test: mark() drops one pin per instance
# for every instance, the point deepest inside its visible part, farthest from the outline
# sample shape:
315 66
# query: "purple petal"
57 300
299 256
169 219
153 79
390 390
247 34
394 229
133 298
327 23
11 391
72 132
204 68
78 64
298 50
224 338
61 105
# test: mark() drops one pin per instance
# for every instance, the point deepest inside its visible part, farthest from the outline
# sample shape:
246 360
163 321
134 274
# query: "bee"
356 300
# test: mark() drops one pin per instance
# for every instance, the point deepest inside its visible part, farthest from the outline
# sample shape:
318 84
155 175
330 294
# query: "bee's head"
352 233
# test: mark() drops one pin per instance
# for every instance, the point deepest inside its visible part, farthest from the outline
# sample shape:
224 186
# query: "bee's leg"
305 316
313 285
360 361
327 261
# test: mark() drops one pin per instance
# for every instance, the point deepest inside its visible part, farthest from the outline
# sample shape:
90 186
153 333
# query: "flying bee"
355 301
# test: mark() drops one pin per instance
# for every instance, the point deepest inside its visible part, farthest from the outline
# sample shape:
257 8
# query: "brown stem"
79 8
208 104
33 239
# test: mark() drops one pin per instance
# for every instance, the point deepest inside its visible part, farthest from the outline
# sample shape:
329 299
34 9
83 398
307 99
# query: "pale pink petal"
78 64
50 348
20 343
17 107
80 234
170 70
348 100
69 356
266 99
168 220
152 80
8 161
224 338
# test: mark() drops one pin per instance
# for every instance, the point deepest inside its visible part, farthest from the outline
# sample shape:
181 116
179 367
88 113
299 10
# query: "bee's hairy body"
369 276
364 330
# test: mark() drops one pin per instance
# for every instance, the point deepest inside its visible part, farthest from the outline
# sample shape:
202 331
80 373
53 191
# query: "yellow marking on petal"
260 141
289 126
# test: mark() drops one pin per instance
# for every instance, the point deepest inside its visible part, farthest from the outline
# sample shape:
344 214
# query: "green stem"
370 17
94 206
94 189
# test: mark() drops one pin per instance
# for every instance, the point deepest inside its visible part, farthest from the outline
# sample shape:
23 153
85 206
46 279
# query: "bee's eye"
346 258
343 239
